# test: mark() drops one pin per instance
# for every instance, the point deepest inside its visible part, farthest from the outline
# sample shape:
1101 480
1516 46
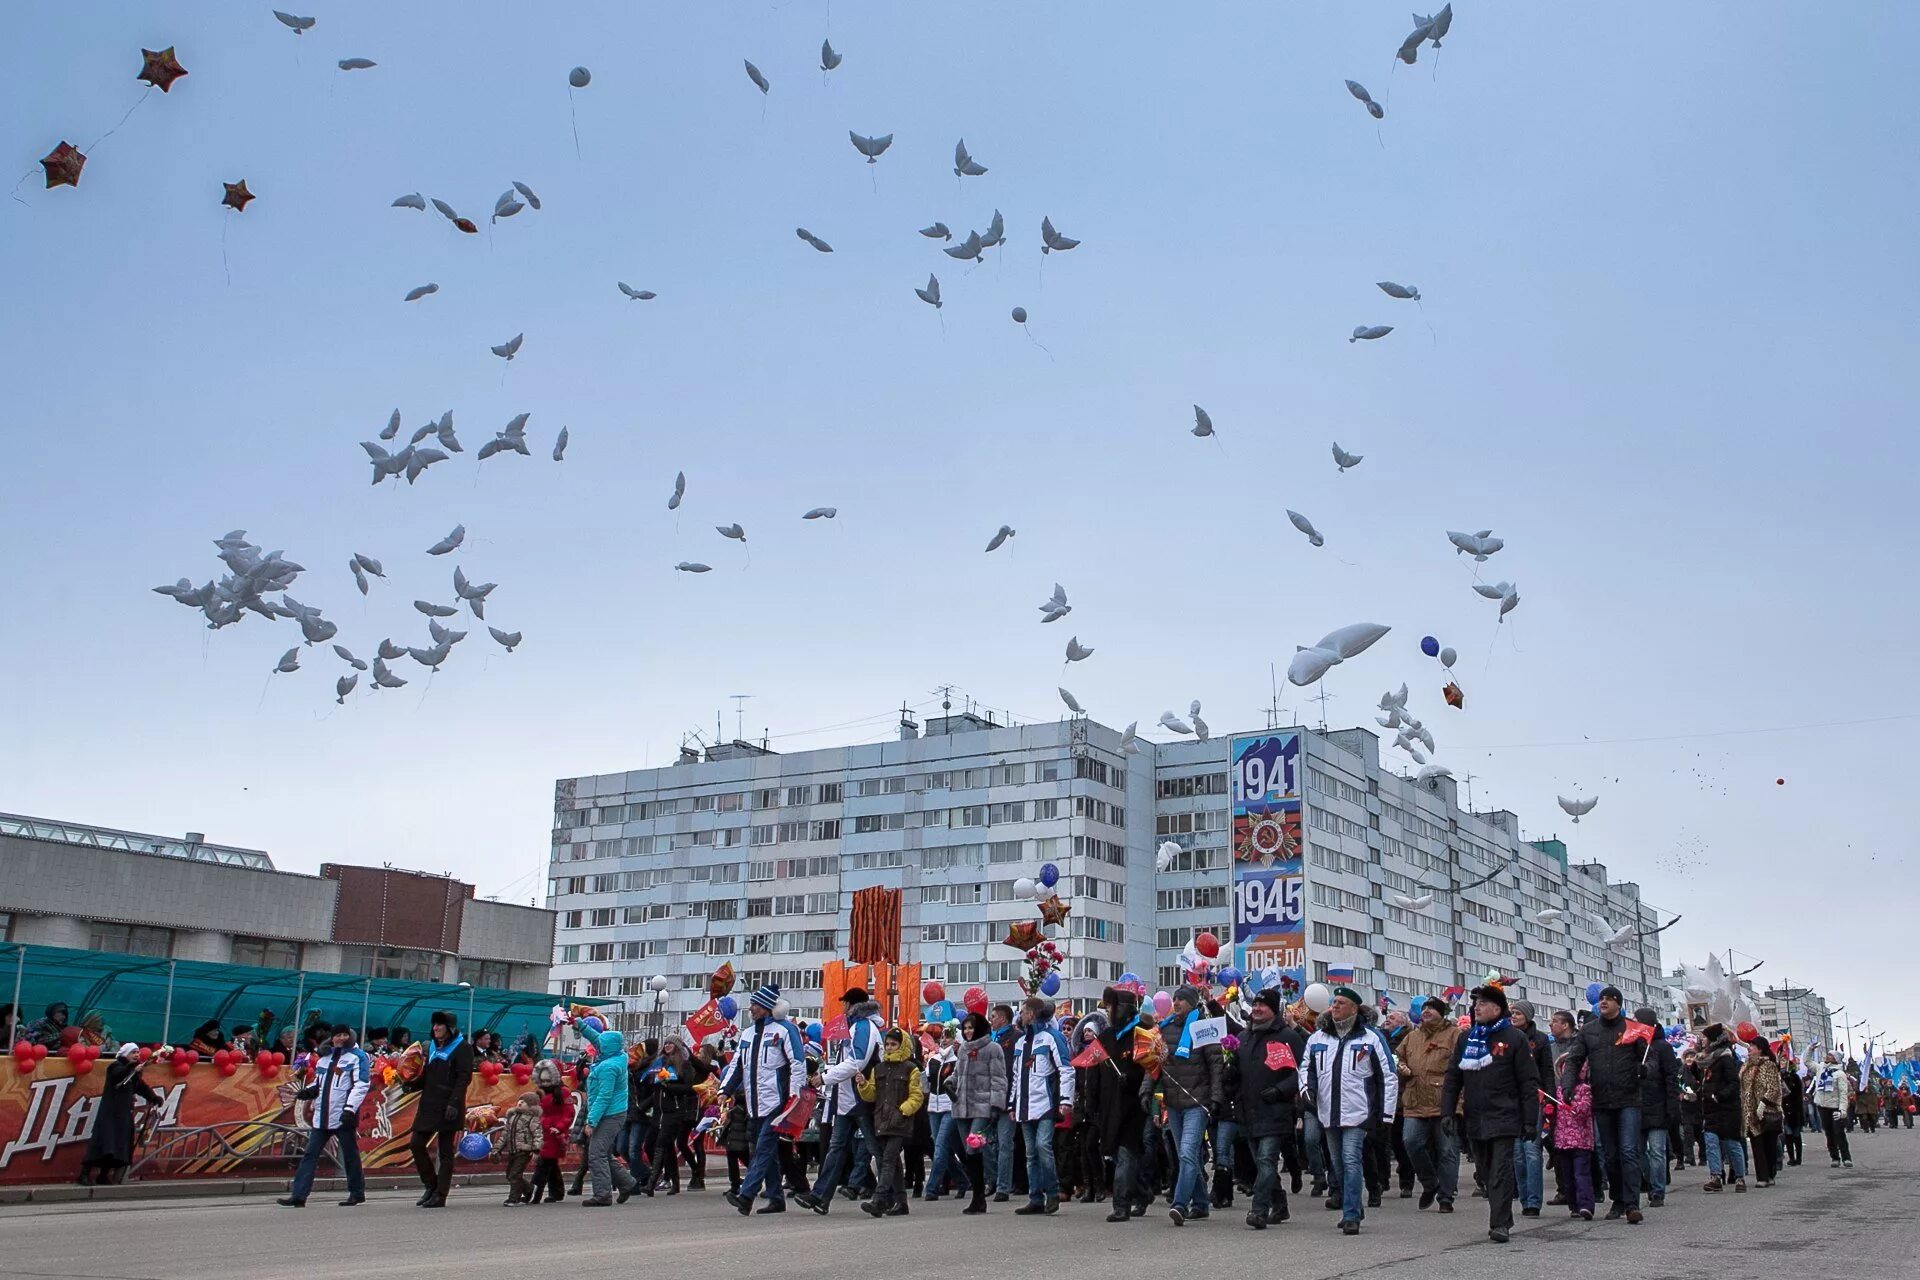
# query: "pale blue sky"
1667 252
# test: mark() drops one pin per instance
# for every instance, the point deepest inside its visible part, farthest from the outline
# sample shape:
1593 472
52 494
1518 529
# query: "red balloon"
79 1059
522 1072
932 993
1747 1032
490 1072
145 1055
976 1000
1206 944
69 1036
1779 782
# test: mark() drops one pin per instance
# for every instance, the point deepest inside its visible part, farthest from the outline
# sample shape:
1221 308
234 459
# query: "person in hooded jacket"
636 1135
1659 1106
1726 1127
1039 1093
1353 1087
1266 1084
1116 1114
1832 1095
1191 1079
892 1087
608 1093
1612 1055
767 1069
442 1108
340 1084
556 1121
1495 1078
979 1097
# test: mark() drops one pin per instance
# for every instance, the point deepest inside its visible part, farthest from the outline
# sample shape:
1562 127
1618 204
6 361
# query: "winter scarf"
439 1051
1475 1056
1185 1047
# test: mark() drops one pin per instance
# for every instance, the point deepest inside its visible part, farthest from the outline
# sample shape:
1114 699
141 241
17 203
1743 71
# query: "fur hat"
854 995
1492 994
441 1018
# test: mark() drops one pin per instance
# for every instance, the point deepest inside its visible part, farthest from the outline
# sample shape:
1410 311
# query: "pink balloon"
1162 1004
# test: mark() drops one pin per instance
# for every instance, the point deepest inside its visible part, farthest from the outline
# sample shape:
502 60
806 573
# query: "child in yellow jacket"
893 1087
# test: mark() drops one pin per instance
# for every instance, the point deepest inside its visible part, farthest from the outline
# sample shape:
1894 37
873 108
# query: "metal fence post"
166 1018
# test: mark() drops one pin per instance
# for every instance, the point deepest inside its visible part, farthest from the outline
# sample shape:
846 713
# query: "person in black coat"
1726 1126
1659 1105
110 1148
442 1108
1495 1072
1117 1111
1265 1084
1793 1092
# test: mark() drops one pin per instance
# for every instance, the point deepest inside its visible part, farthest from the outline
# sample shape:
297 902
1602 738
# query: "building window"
393 962
130 939
266 953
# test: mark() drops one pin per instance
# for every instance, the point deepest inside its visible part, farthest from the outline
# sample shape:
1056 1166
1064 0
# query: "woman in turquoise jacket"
606 1117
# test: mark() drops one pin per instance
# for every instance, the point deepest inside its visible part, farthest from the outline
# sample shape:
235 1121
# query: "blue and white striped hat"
766 996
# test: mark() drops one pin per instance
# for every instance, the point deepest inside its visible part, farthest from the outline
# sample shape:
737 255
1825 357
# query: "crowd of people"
1118 1108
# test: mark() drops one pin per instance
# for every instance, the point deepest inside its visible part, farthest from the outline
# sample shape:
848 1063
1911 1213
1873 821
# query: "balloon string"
1036 342
1423 316
123 119
223 250
263 693
574 116
16 187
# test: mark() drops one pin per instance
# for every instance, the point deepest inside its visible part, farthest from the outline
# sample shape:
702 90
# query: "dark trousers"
1766 1156
1126 1173
893 1173
1837 1148
847 1149
1268 1195
1378 1159
435 1177
1795 1152
1574 1167
1402 1159
1494 1157
519 1185
669 1139
548 1179
1618 1131
349 1161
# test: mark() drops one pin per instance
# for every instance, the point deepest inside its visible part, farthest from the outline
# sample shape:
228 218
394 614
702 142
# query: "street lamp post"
469 988
658 985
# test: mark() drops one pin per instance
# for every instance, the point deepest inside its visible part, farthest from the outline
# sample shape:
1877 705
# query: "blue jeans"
946 1155
1041 1179
1435 1154
1316 1139
763 1169
1731 1151
310 1160
1351 1142
1188 1126
856 1126
1617 1132
1221 1141
1655 1153
1266 1174
999 1154
1527 1174
632 1145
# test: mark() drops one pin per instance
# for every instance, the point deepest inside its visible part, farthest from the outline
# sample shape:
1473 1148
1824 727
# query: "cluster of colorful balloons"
1433 649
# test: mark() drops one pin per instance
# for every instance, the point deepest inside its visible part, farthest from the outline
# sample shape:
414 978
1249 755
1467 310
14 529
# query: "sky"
1664 349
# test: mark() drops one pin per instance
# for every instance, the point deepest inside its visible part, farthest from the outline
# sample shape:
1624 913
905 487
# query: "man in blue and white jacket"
1039 1091
853 1137
767 1070
1353 1083
340 1082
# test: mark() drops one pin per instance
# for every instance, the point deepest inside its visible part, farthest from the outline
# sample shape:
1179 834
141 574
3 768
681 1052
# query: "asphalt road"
1863 1221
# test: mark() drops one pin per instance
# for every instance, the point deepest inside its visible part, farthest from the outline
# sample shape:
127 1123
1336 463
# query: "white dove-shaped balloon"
412 200
1173 723
1420 903
450 542
679 491
1305 526
759 81
1369 332
813 239
346 656
1130 739
344 686
289 661
1578 809
930 294
829 57
733 531
510 348
297 24
507 639
1052 241
638 295
526 193
1076 652
820 513
1343 459
1393 290
1073 703
938 231
693 566
1202 422
999 538
1056 606
1163 856
871 148
964 165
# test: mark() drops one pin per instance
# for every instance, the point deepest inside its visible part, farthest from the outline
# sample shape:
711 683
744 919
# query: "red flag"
1091 1056
1636 1032
835 1028
706 1021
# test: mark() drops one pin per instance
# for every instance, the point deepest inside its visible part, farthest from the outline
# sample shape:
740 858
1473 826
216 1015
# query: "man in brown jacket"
1425 1054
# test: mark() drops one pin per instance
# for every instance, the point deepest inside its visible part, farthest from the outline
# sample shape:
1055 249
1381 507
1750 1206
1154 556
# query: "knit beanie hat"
1190 994
766 996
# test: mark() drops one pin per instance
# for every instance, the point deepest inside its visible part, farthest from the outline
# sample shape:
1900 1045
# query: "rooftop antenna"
1468 779
1273 698
946 696
739 708
1323 697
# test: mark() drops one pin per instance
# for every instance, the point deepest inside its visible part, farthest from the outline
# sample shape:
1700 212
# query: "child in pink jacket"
1573 1146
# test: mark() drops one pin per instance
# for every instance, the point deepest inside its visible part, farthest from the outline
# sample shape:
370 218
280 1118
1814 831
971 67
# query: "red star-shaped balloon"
237 195
63 165
160 69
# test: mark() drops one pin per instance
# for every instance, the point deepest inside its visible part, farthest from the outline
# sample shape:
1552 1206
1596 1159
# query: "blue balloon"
1050 985
1049 874
729 1007
475 1146
1430 646
1231 977
813 1032
938 1011
1129 978
1593 992
593 1024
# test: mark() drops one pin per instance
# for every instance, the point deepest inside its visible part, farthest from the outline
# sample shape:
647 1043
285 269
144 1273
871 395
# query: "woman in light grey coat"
979 1094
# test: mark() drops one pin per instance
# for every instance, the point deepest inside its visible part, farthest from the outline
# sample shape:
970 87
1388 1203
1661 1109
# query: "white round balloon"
1318 997
1024 888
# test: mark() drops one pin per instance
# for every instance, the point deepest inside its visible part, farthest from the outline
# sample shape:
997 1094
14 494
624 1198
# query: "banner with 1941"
1269 888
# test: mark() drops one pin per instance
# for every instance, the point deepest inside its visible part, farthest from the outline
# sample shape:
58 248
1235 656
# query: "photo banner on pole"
1269 887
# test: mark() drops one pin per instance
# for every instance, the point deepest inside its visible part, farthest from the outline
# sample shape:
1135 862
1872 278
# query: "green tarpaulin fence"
155 1001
